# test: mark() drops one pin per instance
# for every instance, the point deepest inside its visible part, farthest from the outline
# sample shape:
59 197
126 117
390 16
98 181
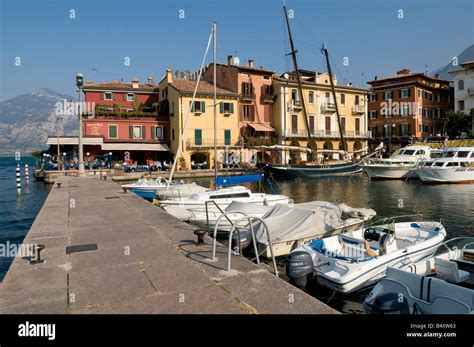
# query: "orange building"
408 105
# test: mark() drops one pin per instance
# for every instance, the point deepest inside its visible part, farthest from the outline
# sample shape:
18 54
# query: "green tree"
37 153
457 123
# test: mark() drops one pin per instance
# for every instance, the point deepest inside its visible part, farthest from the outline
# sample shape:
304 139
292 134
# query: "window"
164 92
373 130
198 106
461 105
108 96
247 112
198 137
438 97
405 93
226 137
404 130
463 154
311 97
113 131
453 163
137 132
130 97
294 124
343 99
266 77
357 126
343 124
172 109
230 196
404 109
294 95
372 114
226 107
387 95
372 97
461 85
328 124
357 98
311 123
437 112
247 89
172 134
420 93
157 132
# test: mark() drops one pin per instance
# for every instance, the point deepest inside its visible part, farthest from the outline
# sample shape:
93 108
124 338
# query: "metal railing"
326 133
247 96
358 109
328 107
207 143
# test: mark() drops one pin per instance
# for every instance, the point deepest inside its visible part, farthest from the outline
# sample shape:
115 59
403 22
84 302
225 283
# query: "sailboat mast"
215 101
298 77
333 90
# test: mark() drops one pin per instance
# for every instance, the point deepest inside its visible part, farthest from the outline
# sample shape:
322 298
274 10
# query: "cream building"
322 119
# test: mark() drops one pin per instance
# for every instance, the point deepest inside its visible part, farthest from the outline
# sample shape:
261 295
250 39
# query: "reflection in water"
452 204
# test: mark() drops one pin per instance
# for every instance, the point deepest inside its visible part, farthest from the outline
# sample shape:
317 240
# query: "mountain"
465 56
27 120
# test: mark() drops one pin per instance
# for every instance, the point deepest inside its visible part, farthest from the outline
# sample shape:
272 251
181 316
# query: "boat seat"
352 247
448 270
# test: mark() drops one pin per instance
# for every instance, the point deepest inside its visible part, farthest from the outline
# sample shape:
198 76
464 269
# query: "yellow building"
198 141
289 120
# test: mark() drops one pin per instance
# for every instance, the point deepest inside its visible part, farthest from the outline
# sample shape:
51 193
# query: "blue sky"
53 47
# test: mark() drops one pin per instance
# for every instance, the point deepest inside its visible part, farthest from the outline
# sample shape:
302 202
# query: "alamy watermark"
74 108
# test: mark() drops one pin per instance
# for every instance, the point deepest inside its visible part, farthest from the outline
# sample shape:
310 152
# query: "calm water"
17 213
452 204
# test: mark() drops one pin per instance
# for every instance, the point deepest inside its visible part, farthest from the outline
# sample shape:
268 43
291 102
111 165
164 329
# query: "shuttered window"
198 137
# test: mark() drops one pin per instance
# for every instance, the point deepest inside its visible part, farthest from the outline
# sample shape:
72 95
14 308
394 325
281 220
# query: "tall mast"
295 63
341 132
215 101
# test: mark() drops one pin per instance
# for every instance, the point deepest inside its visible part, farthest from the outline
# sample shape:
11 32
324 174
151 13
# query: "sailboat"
310 169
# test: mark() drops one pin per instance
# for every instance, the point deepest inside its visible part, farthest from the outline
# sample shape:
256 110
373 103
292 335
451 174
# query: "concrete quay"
107 251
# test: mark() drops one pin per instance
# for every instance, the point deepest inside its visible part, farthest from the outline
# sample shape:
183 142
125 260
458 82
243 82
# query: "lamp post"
80 84
110 160
64 160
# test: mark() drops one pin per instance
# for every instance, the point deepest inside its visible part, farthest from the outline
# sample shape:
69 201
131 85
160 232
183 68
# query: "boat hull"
446 175
385 172
314 171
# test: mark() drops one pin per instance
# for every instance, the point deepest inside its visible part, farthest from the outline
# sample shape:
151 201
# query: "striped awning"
73 140
261 127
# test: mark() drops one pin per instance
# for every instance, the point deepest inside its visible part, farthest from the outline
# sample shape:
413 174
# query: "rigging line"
181 135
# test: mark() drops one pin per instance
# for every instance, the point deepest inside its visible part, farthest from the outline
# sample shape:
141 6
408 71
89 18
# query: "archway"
327 145
313 147
200 160
294 155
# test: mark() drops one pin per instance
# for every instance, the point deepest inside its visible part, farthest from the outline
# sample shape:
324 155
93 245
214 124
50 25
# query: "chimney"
375 78
229 60
437 76
134 82
250 62
89 82
404 72
150 80
169 75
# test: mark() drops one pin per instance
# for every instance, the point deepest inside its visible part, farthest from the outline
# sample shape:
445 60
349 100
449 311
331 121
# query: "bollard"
200 234
18 178
37 249
59 184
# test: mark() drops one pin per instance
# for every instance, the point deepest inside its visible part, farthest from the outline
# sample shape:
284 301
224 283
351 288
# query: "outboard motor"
245 239
391 303
299 267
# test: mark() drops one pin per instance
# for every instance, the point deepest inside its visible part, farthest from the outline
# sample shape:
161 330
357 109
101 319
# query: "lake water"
18 212
452 204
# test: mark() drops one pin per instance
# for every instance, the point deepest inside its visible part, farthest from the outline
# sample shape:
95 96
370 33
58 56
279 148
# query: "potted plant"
182 163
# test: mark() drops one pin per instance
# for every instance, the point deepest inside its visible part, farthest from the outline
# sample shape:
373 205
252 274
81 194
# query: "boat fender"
299 267
390 303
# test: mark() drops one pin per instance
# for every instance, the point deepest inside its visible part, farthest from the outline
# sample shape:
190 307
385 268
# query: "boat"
291 226
456 166
222 198
401 164
158 188
356 260
403 292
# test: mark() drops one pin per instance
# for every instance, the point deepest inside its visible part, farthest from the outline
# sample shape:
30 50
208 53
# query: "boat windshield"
409 152
463 154
449 154
439 164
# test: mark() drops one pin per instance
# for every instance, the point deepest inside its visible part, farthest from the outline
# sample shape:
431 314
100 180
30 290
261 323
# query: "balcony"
267 98
251 141
328 107
327 134
207 143
295 105
247 96
358 109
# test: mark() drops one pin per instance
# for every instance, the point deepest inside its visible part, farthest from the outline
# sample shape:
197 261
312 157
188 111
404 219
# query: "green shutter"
130 131
231 108
198 137
221 107
143 132
203 106
227 137
153 130
112 131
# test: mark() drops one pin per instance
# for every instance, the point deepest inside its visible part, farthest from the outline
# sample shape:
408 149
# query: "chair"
448 270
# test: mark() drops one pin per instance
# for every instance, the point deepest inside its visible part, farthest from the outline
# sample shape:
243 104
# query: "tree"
457 123
36 153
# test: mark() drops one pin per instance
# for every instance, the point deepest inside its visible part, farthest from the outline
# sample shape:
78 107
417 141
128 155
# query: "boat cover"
314 218
248 208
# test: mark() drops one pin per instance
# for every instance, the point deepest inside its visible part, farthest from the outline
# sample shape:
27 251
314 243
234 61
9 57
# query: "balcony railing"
358 109
470 91
295 105
328 107
207 143
267 98
247 96
327 133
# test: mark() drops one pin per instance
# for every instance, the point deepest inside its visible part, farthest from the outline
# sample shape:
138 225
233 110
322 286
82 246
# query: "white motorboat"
456 166
290 226
158 188
355 260
400 165
403 292
221 197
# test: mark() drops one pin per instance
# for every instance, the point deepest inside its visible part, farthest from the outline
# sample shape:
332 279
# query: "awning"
261 127
73 140
135 147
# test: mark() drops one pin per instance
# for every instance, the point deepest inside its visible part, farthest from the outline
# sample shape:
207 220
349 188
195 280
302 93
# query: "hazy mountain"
27 120
465 56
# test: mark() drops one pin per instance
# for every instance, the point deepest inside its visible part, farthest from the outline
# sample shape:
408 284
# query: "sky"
375 37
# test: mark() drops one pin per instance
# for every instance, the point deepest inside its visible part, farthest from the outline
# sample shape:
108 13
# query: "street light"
80 84
110 160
